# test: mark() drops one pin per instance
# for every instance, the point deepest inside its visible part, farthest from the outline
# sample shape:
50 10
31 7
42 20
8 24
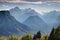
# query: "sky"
30 0
41 6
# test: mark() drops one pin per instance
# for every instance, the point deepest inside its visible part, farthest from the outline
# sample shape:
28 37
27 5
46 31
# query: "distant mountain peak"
16 9
30 9
30 12
54 11
23 14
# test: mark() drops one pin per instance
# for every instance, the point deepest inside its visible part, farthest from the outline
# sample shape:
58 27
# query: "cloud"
33 0
25 2
30 1
40 0
13 0
4 7
10 0
2 0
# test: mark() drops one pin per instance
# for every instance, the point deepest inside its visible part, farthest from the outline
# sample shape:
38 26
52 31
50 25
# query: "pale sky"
40 6
30 0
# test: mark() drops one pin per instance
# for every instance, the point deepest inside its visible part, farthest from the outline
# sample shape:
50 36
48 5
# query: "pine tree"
38 34
57 33
51 37
34 38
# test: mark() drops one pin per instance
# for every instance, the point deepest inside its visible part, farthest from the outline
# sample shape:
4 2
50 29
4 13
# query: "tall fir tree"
57 33
38 34
51 37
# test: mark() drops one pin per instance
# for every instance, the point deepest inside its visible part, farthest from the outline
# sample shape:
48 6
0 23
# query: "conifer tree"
57 33
34 37
51 37
38 34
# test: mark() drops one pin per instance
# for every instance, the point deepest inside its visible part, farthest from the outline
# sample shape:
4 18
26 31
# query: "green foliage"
3 38
13 37
45 37
27 37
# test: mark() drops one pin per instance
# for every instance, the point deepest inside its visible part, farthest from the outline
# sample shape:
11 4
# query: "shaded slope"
36 23
9 26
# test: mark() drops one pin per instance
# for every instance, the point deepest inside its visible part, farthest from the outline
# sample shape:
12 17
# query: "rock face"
9 25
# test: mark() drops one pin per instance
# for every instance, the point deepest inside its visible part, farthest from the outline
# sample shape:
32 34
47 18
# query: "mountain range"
35 22
10 26
22 21
52 18
31 18
22 14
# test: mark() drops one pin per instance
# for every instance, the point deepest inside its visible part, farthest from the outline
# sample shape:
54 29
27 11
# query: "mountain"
58 21
36 23
15 11
9 25
51 18
22 14
31 18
